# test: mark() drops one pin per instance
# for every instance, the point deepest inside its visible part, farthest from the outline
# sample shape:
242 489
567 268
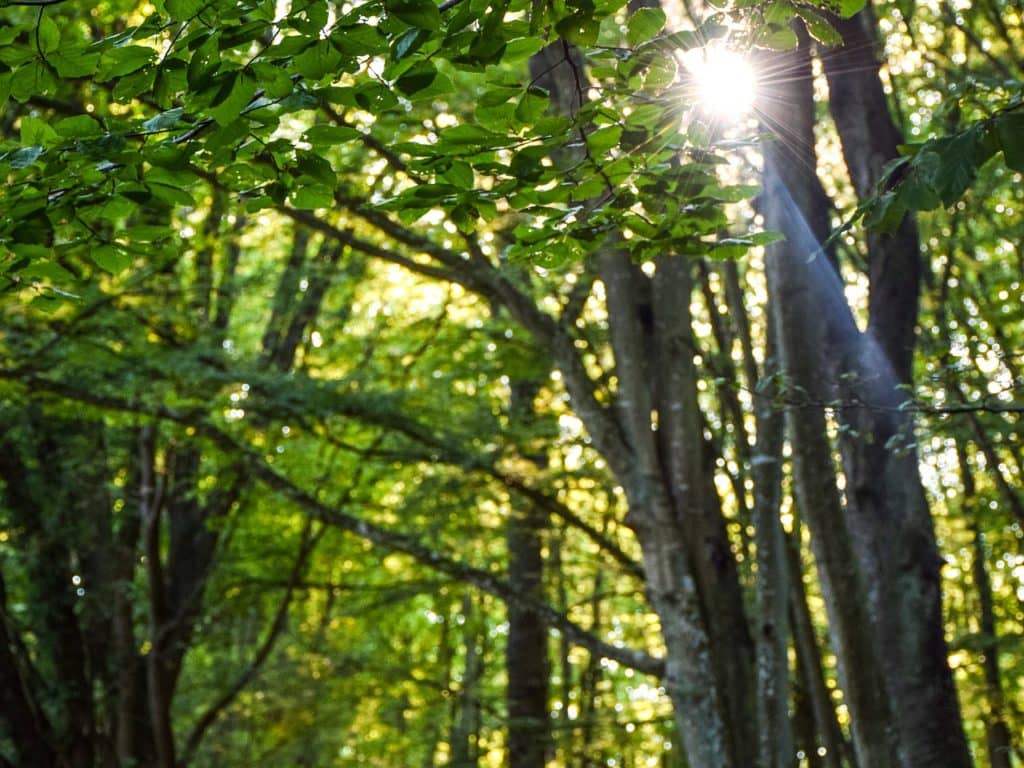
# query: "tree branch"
214 711
387 539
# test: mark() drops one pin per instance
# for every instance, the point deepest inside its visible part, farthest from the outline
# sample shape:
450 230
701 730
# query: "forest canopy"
504 383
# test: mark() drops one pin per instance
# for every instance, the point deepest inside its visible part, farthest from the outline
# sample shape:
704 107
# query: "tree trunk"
526 650
691 677
997 733
811 673
466 726
663 466
798 273
775 732
887 511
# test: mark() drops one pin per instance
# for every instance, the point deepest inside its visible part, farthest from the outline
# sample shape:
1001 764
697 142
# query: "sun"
725 81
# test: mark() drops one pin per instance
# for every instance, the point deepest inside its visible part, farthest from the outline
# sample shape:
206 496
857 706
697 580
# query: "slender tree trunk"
589 757
528 669
997 733
466 728
526 650
565 737
688 468
775 733
811 671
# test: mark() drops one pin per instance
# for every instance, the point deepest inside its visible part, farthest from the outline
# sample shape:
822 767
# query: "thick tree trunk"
688 467
800 280
887 511
690 571
674 509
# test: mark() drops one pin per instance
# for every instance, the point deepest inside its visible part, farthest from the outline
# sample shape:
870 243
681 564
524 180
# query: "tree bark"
671 578
775 732
811 672
466 725
887 511
526 650
798 271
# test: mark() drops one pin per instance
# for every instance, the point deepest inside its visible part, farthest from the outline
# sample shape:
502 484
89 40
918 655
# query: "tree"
406 275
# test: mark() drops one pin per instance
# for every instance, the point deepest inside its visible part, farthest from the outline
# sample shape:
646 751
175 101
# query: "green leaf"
580 29
318 60
118 62
820 29
48 34
460 174
471 135
644 24
46 270
275 81
961 157
532 105
37 133
441 86
603 139
645 116
330 135
146 233
918 191
132 85
886 213
522 48
170 195
185 9
32 79
683 40
78 127
661 73
848 8
778 12
499 117
418 77
110 258
234 97
730 248
416 13
313 196
312 165
409 43
163 121
732 193
766 238
74 61
1009 130
170 177
778 39
361 40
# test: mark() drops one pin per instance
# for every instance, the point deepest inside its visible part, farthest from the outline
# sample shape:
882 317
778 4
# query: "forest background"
477 384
